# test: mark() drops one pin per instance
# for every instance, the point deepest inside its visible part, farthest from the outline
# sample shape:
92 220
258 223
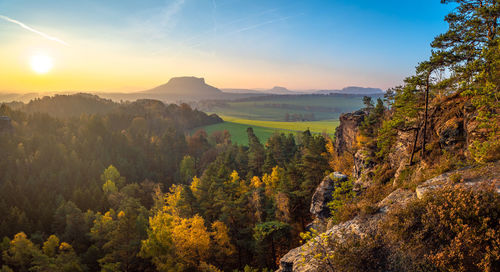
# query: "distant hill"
280 90
67 105
242 91
186 87
23 97
352 90
193 89
274 90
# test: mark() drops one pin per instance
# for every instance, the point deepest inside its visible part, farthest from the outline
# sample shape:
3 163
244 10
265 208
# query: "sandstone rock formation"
451 128
301 259
323 195
346 132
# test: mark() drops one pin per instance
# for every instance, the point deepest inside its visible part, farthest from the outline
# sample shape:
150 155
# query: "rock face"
451 133
323 195
5 124
345 134
301 259
466 176
451 129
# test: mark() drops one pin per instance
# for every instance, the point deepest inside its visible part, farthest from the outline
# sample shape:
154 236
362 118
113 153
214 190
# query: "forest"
94 192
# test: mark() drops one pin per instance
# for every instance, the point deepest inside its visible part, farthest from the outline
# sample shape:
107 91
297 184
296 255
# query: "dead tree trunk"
417 130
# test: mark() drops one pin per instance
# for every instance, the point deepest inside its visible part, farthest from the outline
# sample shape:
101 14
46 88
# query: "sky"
123 46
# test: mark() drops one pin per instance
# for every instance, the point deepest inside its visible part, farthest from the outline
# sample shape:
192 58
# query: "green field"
274 108
264 129
266 115
327 126
239 131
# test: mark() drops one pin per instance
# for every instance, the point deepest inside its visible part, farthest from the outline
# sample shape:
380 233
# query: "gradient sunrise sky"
135 45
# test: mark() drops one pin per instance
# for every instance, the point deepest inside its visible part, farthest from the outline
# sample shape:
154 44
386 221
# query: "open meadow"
282 113
264 129
277 107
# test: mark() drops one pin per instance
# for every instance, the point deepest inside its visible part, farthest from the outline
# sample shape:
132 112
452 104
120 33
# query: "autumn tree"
272 234
180 244
123 241
20 253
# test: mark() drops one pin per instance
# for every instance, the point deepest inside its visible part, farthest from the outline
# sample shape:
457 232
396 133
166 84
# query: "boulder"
466 176
397 198
323 195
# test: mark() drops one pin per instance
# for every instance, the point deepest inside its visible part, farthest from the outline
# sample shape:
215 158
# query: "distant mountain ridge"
242 91
280 90
352 90
274 90
190 88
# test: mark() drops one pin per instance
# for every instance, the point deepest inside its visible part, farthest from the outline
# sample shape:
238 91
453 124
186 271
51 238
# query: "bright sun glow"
41 64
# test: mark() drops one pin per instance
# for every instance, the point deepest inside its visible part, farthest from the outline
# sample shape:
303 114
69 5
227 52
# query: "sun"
41 64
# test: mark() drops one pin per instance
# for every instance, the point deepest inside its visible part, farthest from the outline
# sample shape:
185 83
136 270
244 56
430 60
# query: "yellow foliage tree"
195 187
159 246
272 181
103 224
177 244
191 240
343 163
172 199
235 177
221 246
50 246
20 253
256 182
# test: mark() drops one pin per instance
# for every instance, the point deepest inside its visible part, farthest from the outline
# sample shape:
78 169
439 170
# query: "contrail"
33 30
260 24
214 30
245 29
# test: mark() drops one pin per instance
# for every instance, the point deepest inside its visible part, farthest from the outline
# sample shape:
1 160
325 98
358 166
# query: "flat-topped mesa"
186 86
187 80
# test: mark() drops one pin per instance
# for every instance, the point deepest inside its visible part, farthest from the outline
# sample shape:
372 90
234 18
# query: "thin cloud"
247 28
46 36
170 11
194 40
260 25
